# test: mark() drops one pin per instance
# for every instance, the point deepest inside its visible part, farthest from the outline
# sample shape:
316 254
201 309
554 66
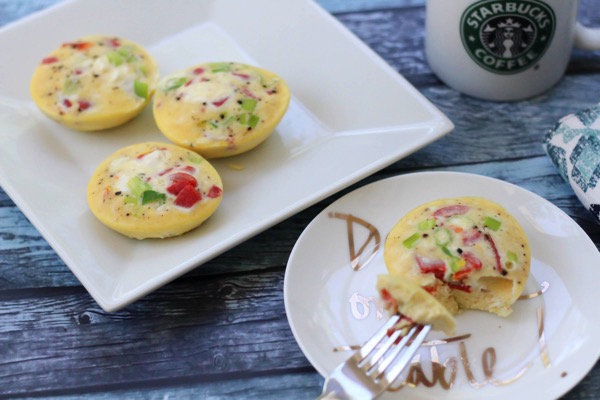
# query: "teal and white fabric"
574 147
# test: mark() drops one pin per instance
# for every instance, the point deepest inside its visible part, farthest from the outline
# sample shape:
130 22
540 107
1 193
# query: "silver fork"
363 376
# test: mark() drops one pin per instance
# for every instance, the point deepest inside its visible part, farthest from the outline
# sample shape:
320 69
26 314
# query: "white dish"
322 292
339 128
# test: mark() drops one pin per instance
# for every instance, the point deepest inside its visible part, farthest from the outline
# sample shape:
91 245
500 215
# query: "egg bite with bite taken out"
469 252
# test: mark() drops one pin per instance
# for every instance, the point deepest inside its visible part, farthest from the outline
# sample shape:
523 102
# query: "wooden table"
221 331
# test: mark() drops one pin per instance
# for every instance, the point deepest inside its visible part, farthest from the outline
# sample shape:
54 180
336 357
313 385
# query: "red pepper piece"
163 173
198 71
248 93
436 267
188 83
214 192
67 103
188 197
472 261
189 169
83 105
114 42
179 181
388 301
459 286
177 187
241 75
449 211
495 251
471 236
49 60
79 45
462 274
430 289
219 103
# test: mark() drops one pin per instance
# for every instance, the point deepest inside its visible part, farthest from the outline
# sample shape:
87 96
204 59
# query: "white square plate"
350 115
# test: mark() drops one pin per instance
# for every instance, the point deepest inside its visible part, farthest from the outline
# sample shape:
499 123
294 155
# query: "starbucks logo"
507 37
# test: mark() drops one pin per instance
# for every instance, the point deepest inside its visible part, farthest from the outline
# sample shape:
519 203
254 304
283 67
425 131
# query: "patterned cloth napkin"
574 147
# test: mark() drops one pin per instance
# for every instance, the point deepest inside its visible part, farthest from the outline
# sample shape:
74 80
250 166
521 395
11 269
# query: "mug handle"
587 38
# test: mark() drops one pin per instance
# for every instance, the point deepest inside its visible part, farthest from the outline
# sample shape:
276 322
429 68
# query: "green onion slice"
492 223
141 89
115 58
253 121
248 104
137 186
410 242
457 264
220 67
71 86
175 83
151 196
427 224
442 236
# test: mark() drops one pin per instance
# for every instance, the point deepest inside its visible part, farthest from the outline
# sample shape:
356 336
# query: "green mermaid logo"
507 37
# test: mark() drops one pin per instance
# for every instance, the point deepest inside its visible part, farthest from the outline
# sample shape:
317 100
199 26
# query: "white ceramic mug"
504 49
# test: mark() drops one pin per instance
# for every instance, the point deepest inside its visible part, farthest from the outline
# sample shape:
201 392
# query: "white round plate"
543 349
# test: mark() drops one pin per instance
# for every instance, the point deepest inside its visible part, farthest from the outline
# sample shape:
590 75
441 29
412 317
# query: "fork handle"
332 390
329 396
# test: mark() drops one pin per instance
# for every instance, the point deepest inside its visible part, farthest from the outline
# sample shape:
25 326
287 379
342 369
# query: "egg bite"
154 190
416 306
220 109
468 252
94 83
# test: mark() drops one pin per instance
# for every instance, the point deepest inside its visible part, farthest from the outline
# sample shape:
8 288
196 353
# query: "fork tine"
351 379
368 347
395 351
383 349
391 375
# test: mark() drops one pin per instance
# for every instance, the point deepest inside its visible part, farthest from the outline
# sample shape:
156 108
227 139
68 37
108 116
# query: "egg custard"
468 252
94 83
415 306
154 190
220 109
